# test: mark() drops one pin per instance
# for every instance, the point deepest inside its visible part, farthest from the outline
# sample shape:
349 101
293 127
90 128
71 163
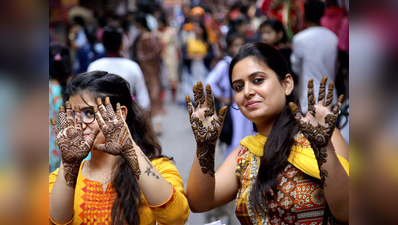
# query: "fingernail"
187 99
324 79
107 101
99 102
331 85
223 110
68 105
77 108
96 131
61 109
311 83
293 107
195 88
95 109
341 98
117 106
95 146
53 121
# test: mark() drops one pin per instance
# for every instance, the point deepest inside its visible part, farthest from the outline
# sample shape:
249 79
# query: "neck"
101 160
112 54
55 82
264 128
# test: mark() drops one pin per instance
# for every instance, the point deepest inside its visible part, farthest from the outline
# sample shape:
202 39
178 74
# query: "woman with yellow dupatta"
294 171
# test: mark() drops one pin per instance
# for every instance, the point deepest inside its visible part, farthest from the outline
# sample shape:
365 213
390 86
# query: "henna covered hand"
118 140
319 123
206 125
71 142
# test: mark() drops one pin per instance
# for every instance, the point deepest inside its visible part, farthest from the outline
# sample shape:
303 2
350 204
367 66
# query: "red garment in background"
332 18
343 35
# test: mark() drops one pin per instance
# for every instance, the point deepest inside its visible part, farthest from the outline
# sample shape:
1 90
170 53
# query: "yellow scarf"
302 158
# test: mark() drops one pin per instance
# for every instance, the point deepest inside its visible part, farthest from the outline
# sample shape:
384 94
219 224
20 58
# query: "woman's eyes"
90 113
238 87
258 80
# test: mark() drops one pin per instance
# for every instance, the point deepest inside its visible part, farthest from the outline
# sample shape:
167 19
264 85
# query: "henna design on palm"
318 127
71 142
206 125
118 140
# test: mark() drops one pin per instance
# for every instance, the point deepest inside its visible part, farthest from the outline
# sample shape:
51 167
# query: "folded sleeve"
175 210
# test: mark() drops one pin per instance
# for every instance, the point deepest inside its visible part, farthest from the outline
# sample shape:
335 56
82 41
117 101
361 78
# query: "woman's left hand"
319 123
118 140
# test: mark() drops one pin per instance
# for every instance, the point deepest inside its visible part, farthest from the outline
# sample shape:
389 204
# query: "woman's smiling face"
259 94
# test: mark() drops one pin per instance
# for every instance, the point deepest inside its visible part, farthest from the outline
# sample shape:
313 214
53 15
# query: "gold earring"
287 92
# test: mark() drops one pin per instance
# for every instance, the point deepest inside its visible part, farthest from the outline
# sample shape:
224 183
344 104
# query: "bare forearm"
61 200
337 186
200 186
154 186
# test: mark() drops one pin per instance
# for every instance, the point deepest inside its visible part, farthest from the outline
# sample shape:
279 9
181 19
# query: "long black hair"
281 138
60 66
101 84
203 27
277 26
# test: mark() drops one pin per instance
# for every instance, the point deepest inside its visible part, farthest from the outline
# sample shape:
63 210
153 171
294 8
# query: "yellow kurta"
93 206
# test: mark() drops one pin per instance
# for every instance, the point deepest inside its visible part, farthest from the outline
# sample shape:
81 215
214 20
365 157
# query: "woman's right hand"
71 142
206 125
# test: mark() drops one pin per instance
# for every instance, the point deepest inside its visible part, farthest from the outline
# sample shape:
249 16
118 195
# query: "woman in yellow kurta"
294 171
127 180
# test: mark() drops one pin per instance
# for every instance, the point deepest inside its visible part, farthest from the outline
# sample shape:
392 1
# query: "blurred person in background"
127 180
273 33
114 63
197 55
60 69
218 79
133 31
85 43
77 35
186 26
314 51
289 172
146 52
171 53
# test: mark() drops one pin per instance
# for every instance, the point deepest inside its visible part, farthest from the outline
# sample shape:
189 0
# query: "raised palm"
206 125
71 142
318 124
118 140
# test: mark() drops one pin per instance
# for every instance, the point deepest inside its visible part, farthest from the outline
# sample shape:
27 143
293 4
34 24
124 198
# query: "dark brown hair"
281 138
102 84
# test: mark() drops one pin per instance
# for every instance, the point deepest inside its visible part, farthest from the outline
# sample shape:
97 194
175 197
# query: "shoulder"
96 64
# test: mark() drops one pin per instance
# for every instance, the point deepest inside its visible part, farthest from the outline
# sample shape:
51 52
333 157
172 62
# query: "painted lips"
252 104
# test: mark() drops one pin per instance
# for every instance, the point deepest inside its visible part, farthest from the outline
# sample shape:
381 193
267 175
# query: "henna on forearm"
205 155
132 160
318 136
205 136
72 145
118 140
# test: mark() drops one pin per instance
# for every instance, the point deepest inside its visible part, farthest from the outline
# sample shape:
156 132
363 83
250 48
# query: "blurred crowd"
160 49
